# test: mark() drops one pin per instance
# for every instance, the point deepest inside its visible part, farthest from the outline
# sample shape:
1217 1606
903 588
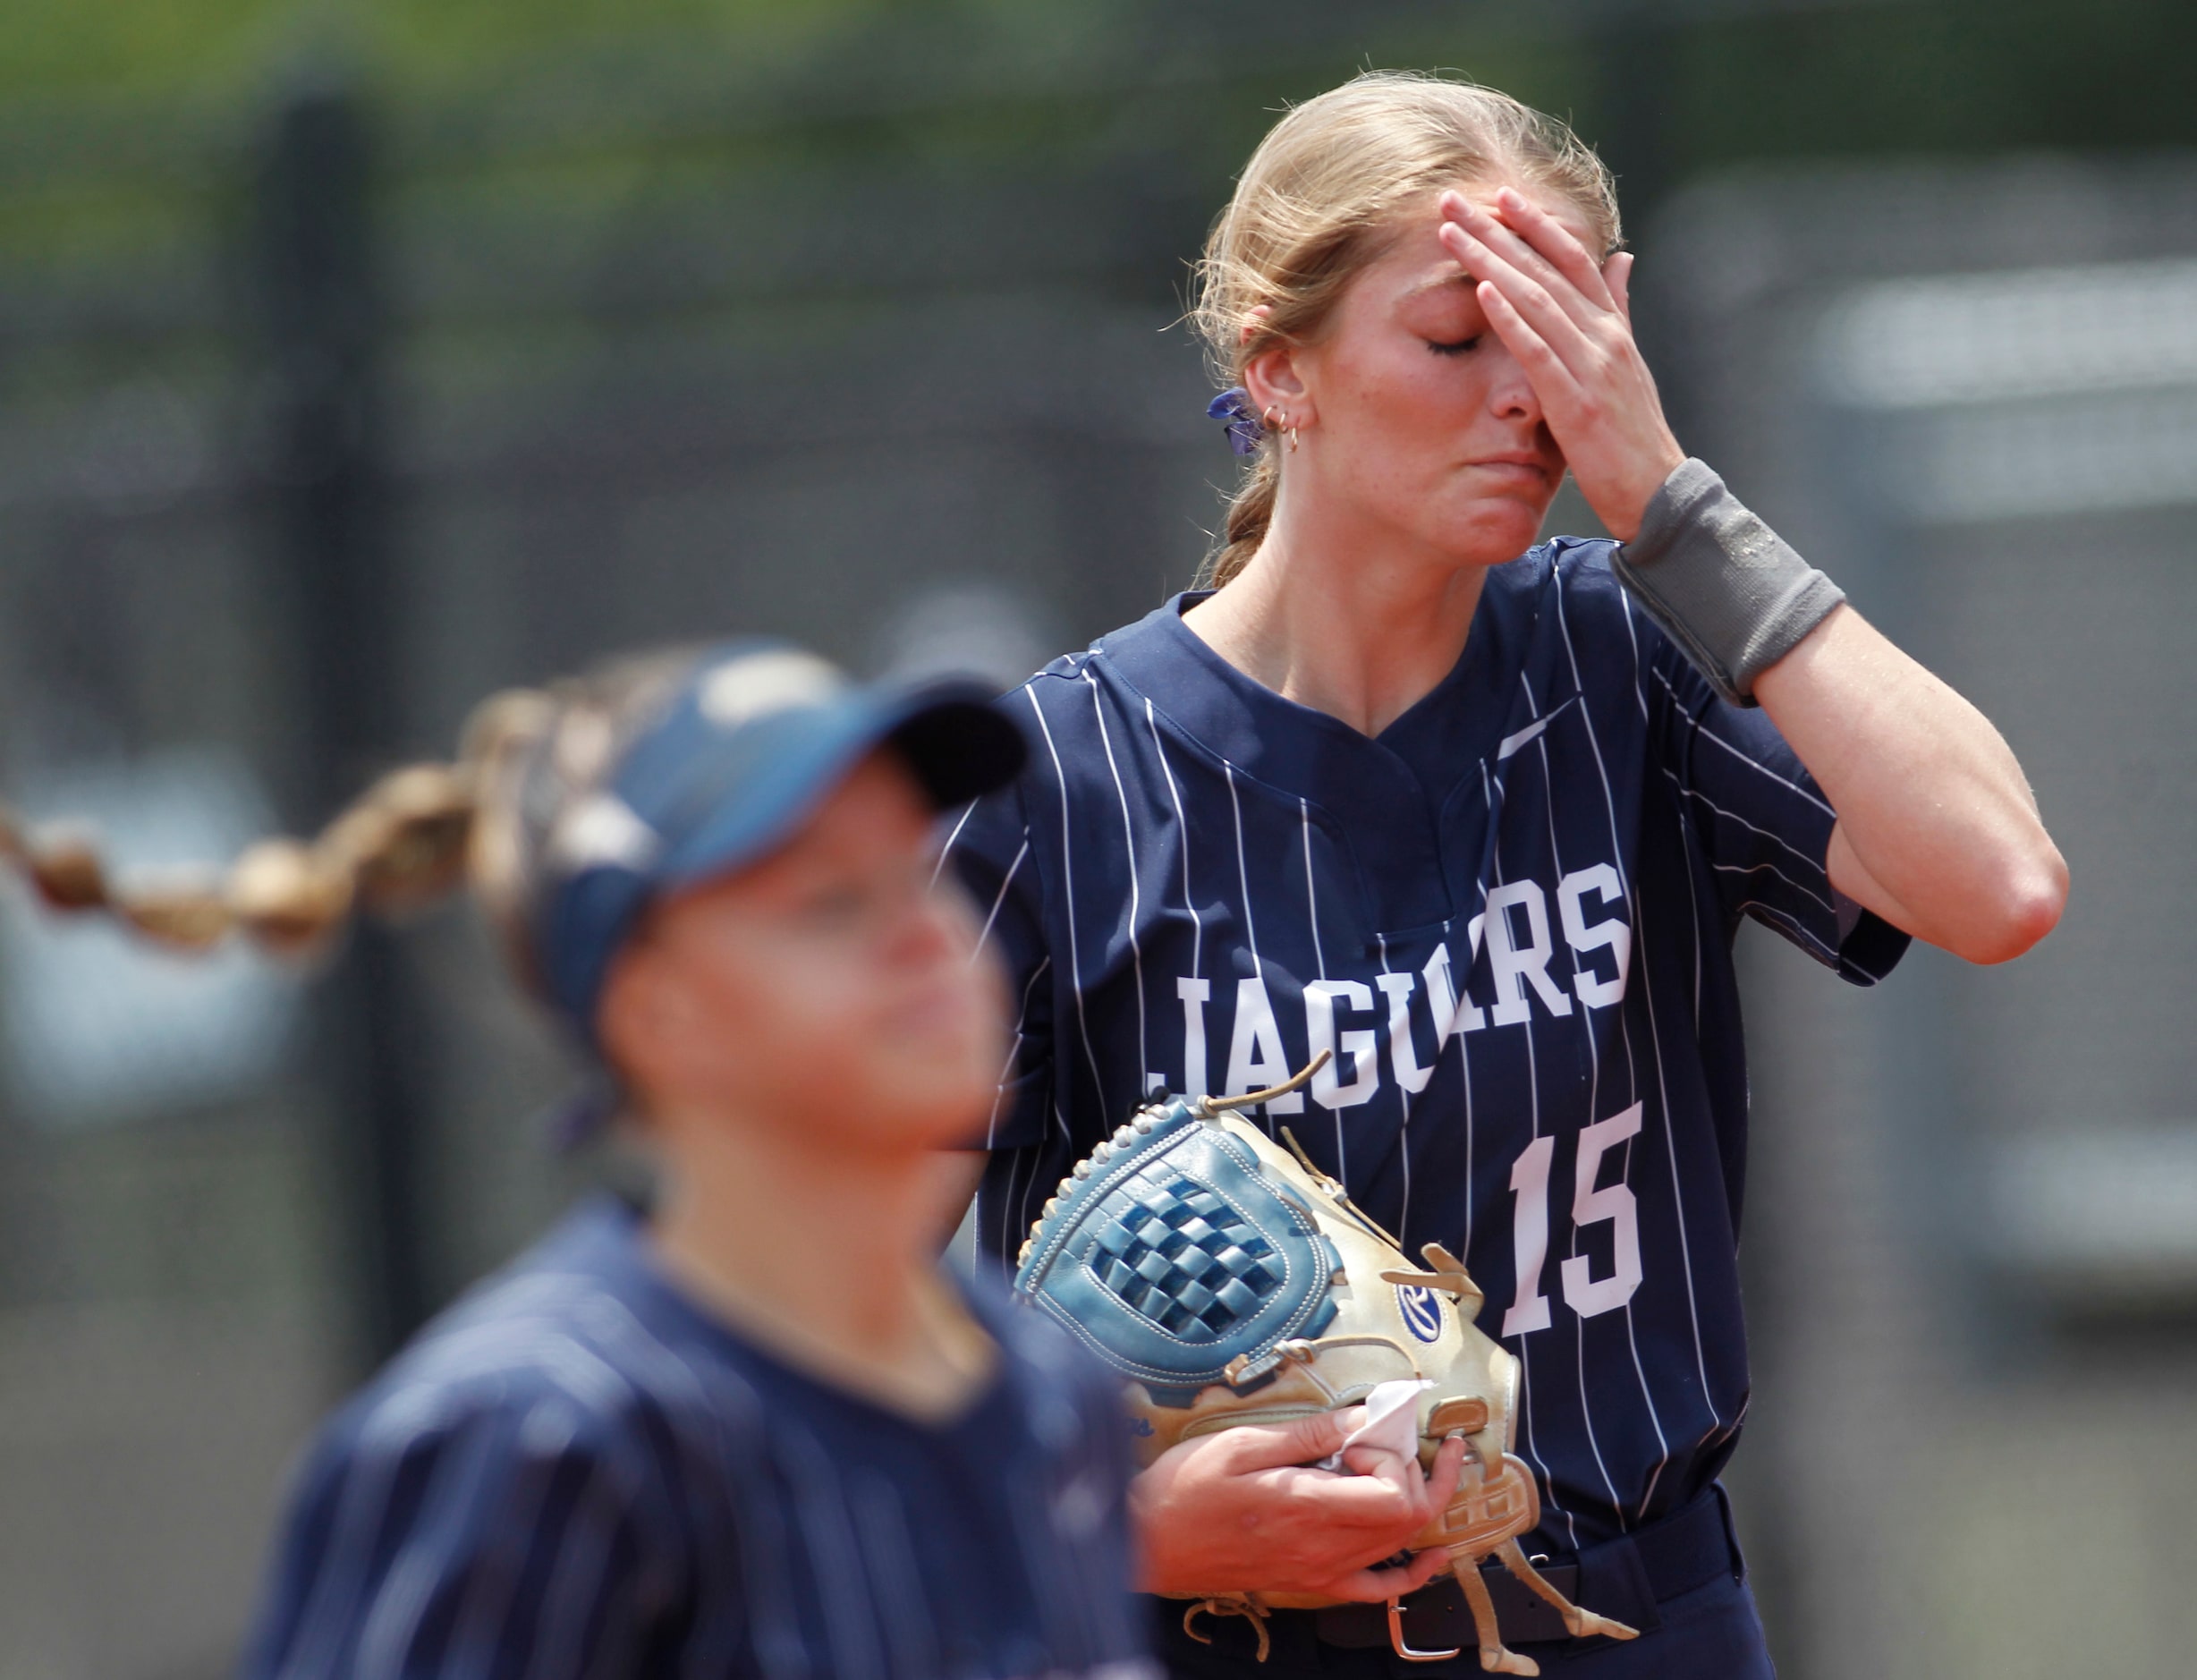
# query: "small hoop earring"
1272 417
1293 440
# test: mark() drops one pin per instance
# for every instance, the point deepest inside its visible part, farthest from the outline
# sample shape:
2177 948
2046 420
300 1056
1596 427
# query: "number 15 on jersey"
1585 1294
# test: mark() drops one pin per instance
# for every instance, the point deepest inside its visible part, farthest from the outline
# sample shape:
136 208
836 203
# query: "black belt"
1624 1579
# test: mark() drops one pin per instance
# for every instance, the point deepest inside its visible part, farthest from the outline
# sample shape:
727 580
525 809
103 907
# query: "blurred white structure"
100 1024
995 631
1970 394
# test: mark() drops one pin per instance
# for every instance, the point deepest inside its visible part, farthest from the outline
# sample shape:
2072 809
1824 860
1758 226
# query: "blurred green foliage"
1969 76
1780 78
120 120
137 48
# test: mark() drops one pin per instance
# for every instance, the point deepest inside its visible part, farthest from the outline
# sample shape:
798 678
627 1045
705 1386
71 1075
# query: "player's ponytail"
402 843
1317 204
1250 510
417 835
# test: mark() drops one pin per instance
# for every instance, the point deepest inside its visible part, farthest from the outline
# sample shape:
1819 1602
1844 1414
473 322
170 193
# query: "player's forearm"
1937 831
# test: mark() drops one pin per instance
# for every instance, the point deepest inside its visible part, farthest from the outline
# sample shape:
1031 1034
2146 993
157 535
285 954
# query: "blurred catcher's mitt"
1231 1283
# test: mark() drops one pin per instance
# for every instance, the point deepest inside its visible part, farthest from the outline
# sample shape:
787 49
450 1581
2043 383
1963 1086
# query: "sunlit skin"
800 1038
1483 352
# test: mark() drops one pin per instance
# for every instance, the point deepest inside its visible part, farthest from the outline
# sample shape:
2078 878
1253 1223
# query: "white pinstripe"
1732 816
573 1568
1244 879
1706 734
857 1650
454 1482
1464 1075
1533 1097
1756 869
1594 1087
1624 1028
1067 871
1182 830
1008 1244
1464 979
1129 844
1251 927
1403 1128
316 1642
1320 961
1000 897
727 1402
947 851
670 1373
1312 893
1789 921
1014 1052
1663 1095
881 1532
605 1498
478 1622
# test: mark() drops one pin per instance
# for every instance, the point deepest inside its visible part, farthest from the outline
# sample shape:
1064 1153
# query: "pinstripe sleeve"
494 1538
990 849
1762 823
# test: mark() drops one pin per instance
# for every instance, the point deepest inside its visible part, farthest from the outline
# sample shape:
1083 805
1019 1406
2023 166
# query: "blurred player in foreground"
1479 820
758 1432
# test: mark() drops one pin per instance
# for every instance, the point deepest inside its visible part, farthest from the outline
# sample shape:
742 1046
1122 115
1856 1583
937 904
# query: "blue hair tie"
1246 430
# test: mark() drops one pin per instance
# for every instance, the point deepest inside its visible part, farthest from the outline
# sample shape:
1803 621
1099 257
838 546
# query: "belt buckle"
1402 1647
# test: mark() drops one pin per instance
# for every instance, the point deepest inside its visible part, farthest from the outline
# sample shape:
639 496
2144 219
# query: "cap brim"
958 741
952 734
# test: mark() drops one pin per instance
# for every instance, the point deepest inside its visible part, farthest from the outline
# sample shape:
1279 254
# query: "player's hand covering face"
1413 412
833 986
1463 371
1567 322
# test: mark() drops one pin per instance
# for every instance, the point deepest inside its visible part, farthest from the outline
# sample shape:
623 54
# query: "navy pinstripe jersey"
1510 917
578 1472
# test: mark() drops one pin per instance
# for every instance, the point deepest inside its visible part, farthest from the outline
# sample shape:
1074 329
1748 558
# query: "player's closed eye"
835 904
849 902
1457 347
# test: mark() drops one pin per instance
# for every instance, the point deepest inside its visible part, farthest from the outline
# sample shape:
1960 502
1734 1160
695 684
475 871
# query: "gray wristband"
1722 584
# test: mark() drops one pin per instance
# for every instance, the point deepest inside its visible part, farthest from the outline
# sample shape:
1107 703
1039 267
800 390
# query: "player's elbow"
2019 907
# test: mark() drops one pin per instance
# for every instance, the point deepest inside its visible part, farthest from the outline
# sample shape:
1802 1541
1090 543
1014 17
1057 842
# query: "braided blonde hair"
401 843
413 836
1318 204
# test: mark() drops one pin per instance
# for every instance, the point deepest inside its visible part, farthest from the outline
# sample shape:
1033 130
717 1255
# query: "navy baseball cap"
748 741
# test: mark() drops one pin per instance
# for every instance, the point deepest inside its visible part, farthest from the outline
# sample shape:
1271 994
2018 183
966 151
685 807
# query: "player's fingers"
1378 1586
1529 298
1556 386
1426 1565
1498 239
1368 1460
1399 1470
1448 1468
1376 1505
1304 1440
1487 249
1557 243
1618 272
